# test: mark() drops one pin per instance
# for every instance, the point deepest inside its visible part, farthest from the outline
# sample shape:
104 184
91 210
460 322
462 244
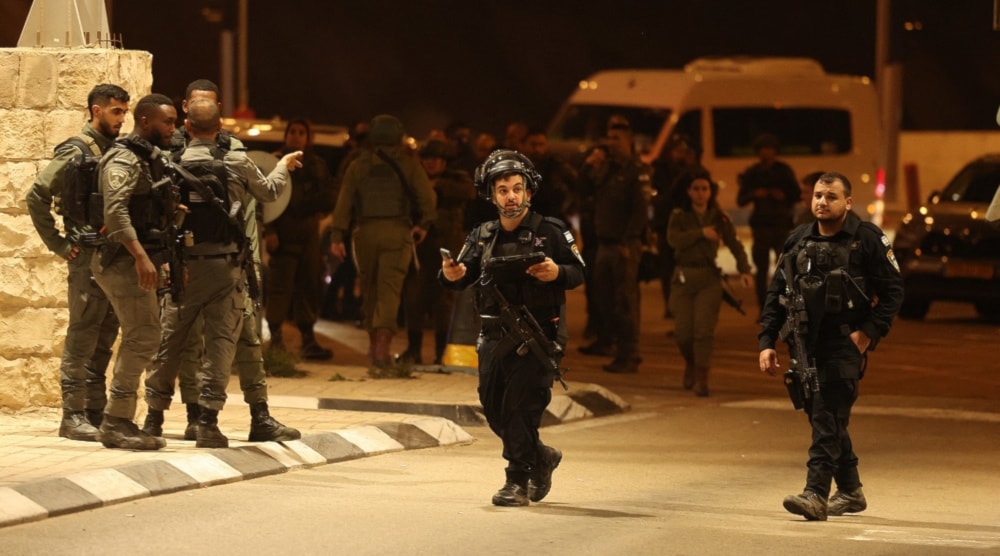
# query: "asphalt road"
683 480
675 475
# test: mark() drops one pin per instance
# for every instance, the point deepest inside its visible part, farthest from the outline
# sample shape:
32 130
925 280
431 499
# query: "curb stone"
86 490
582 401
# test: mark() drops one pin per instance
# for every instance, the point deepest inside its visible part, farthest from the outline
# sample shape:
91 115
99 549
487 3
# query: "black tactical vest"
830 278
204 220
540 298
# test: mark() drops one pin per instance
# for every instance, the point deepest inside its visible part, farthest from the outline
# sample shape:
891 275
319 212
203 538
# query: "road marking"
601 422
915 412
906 537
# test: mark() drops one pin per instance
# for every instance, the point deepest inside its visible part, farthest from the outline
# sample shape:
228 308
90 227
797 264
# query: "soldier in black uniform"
849 280
513 388
771 187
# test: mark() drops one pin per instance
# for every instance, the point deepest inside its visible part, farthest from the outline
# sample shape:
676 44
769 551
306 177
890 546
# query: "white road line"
965 540
915 412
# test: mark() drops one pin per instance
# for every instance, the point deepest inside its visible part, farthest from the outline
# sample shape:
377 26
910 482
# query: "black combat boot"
153 425
193 412
540 481
119 432
440 344
95 416
74 426
311 348
264 428
209 435
701 381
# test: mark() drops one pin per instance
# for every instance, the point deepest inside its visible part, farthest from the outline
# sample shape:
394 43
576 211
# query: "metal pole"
244 92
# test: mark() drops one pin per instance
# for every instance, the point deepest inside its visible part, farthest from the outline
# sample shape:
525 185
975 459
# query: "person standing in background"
293 242
771 187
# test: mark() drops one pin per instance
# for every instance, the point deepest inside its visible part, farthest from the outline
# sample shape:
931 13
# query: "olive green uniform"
696 287
124 176
249 358
93 326
380 204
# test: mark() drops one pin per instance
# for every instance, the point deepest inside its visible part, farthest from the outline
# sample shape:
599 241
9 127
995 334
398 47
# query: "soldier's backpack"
81 199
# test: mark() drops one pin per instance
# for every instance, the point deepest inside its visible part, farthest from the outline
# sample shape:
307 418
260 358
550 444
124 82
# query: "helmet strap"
513 213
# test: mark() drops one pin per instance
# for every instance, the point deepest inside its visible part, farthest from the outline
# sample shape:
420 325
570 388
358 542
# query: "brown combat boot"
381 357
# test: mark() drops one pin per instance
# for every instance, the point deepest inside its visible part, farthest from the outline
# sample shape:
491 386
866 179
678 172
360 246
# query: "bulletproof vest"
828 275
206 222
148 212
529 292
381 194
81 200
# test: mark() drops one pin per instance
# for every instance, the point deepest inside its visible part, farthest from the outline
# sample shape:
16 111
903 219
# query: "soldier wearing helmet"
514 389
389 198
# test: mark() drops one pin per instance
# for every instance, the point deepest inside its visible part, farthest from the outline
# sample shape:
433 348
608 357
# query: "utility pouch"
794 386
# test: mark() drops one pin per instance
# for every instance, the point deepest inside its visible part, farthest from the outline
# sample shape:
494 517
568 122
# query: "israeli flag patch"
569 237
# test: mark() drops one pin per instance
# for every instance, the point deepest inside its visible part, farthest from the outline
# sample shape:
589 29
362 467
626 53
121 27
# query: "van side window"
802 131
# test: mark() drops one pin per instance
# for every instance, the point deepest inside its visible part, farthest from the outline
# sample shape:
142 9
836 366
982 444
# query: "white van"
823 121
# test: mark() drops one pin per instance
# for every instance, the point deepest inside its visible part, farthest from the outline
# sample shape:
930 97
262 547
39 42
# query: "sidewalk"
348 417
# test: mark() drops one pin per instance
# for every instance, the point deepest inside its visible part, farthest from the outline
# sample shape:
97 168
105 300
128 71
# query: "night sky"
489 62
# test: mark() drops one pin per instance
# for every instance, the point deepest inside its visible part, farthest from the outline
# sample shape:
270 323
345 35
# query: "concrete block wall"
43 97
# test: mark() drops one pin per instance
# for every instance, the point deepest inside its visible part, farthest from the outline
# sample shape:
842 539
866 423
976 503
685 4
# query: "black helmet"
505 161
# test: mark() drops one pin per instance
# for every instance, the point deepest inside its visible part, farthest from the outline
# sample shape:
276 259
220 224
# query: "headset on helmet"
503 161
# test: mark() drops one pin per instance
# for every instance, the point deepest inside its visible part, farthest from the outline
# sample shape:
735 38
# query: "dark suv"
947 251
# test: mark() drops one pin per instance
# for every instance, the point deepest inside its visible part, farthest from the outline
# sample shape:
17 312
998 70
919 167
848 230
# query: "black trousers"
831 455
514 391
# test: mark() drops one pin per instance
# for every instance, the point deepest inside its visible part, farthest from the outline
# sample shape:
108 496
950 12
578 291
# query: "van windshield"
801 131
588 123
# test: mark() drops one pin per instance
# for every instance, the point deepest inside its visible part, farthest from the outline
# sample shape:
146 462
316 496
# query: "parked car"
947 251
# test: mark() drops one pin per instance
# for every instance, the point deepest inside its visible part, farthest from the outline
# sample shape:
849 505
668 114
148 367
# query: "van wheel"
914 309
989 311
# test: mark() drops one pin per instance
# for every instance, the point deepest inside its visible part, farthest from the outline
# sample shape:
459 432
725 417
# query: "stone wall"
43 97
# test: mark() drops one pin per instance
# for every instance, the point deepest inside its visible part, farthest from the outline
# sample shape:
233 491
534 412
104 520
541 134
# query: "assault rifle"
729 297
173 237
520 326
802 379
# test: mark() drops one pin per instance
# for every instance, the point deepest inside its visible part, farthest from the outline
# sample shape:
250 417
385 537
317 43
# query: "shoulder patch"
569 237
117 177
885 241
892 259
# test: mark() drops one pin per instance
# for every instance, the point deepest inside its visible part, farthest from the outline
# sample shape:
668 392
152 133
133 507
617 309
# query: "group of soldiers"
169 255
